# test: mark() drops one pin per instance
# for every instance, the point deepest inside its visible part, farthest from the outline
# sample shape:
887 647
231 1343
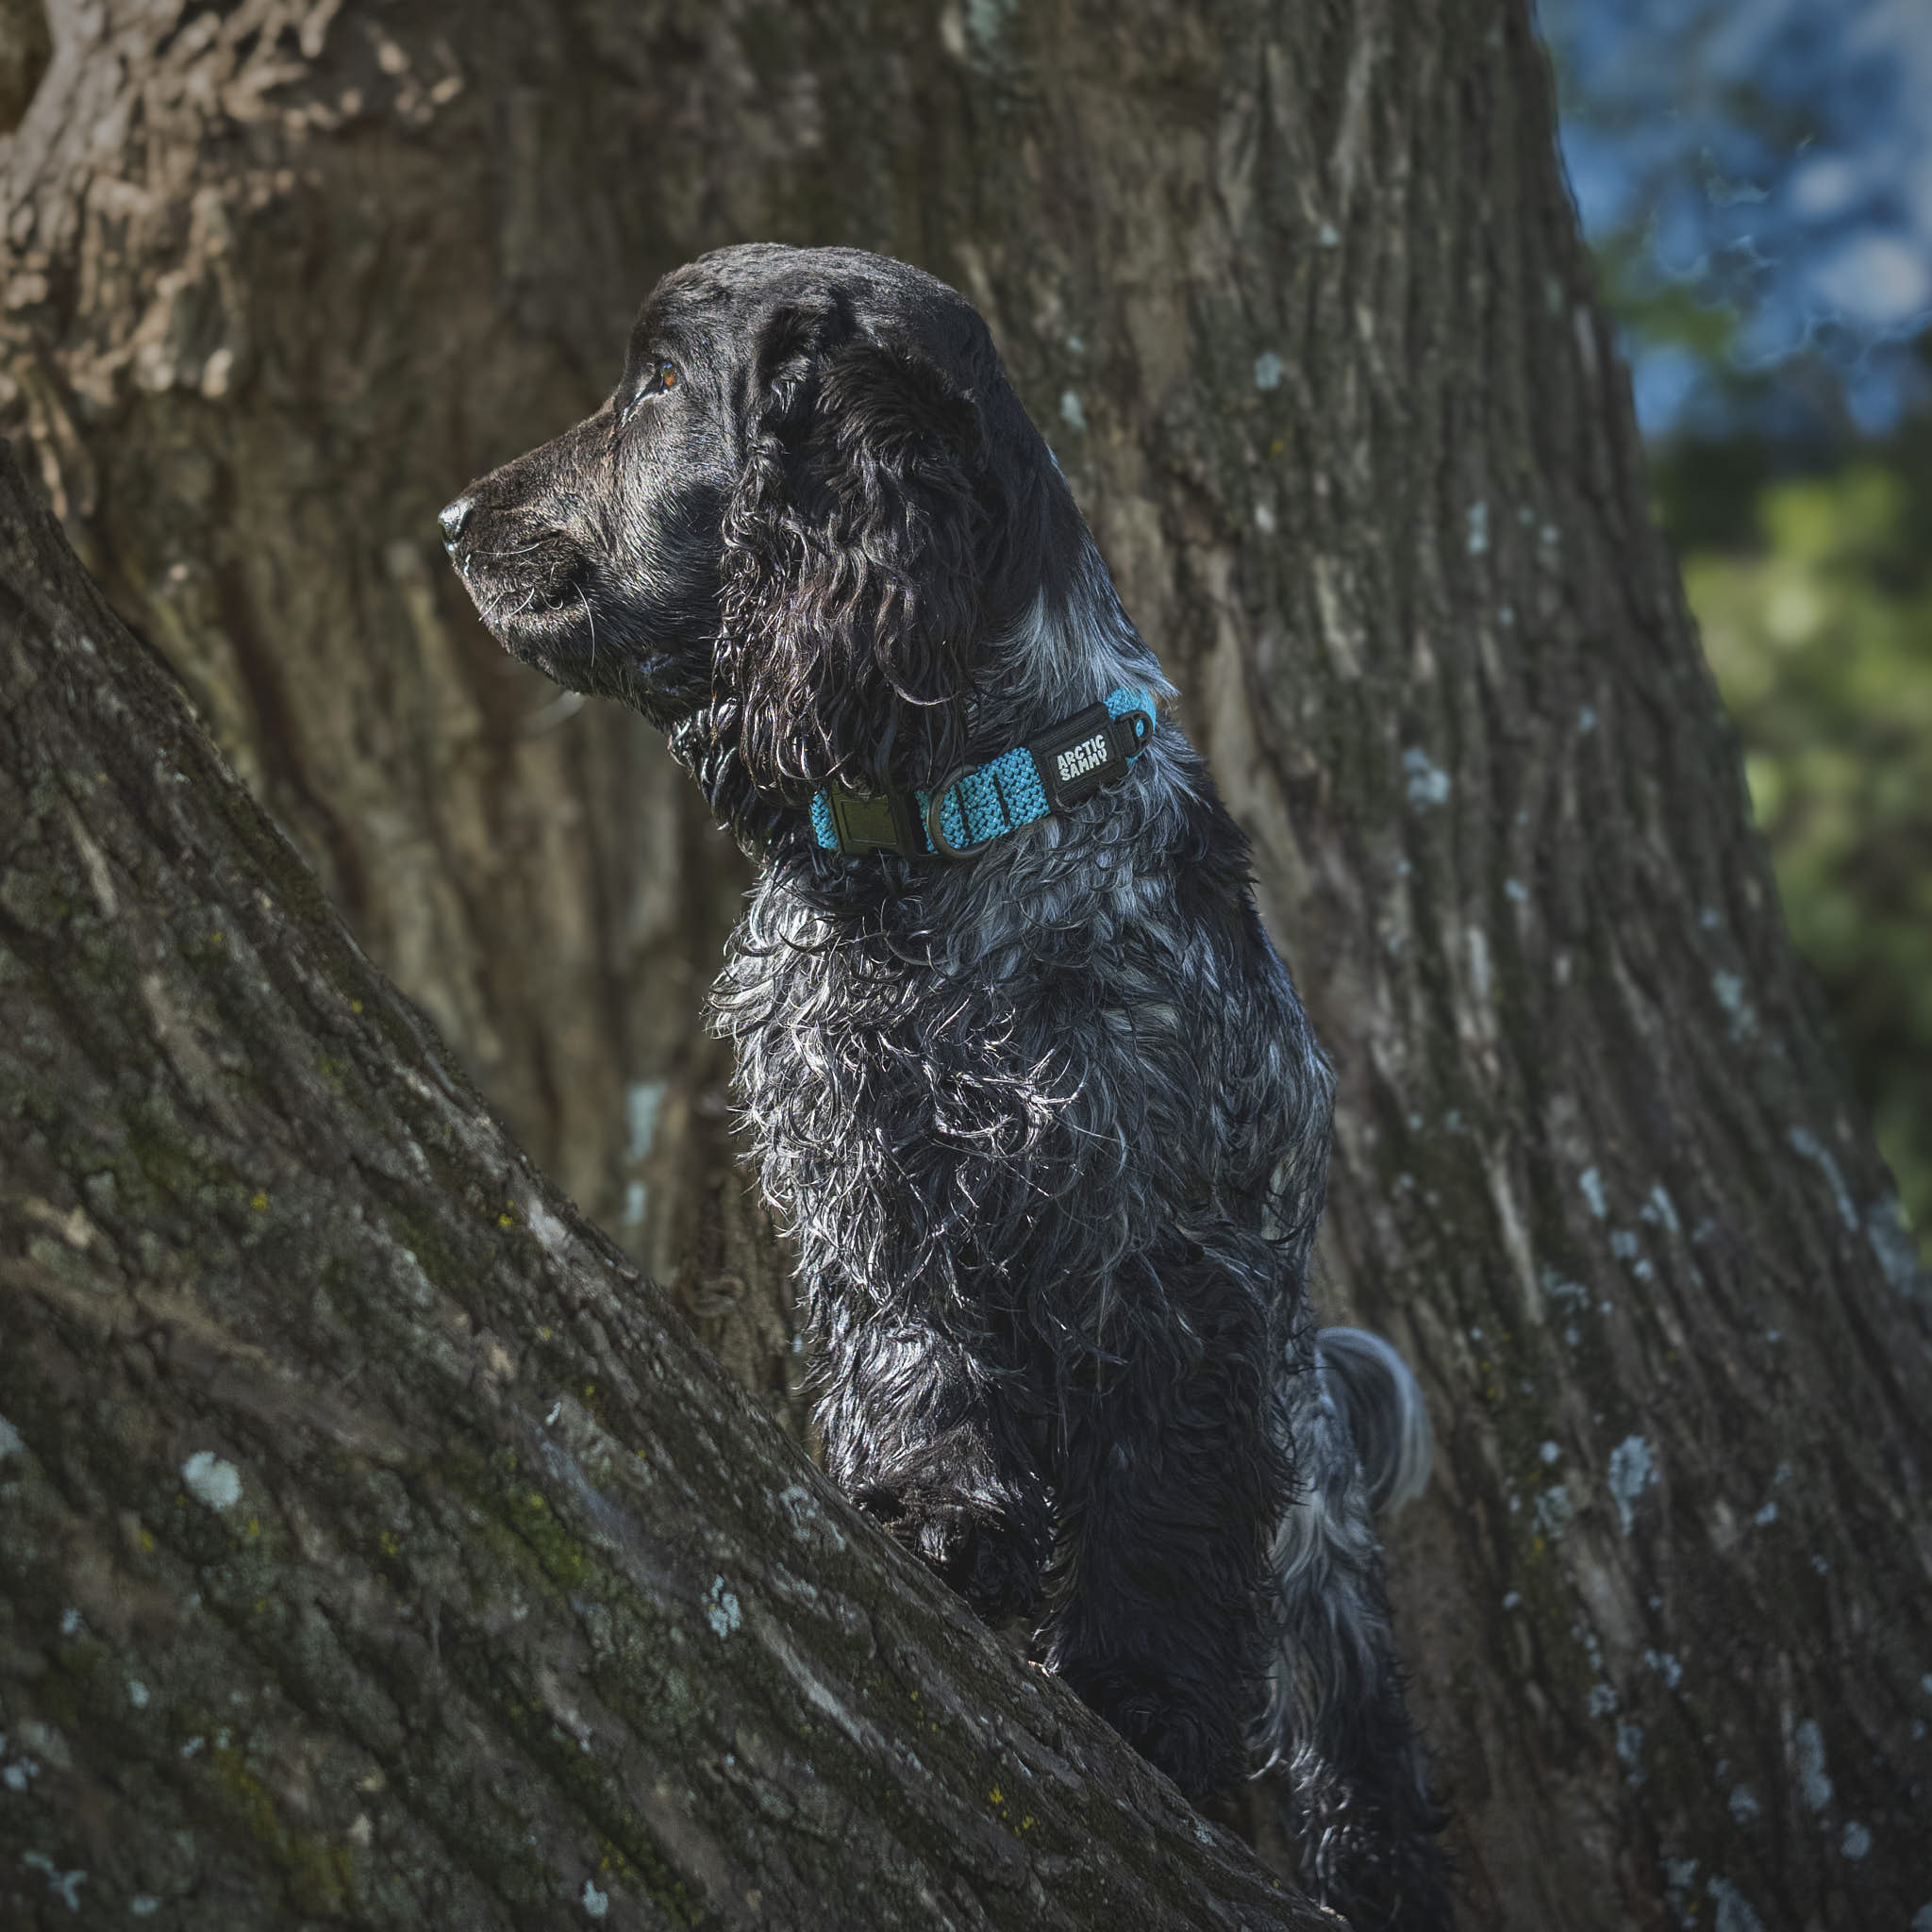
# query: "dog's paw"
1193 1756
983 1562
979 1556
1197 1754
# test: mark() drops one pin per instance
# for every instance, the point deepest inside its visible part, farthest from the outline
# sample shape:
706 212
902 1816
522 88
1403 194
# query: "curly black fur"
1049 1126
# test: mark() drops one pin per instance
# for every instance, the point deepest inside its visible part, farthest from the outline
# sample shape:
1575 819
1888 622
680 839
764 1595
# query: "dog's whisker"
505 555
590 618
560 710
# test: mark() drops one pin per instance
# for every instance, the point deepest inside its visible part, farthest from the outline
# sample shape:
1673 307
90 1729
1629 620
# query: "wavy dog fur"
1048 1126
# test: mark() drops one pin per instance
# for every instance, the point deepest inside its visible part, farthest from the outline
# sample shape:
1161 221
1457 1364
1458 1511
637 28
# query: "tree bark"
278 277
376 1545
1299 294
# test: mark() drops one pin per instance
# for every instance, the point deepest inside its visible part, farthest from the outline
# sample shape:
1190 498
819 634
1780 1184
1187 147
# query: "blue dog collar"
1060 769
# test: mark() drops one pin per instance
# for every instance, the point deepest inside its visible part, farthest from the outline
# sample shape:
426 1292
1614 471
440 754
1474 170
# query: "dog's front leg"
1170 1478
922 1431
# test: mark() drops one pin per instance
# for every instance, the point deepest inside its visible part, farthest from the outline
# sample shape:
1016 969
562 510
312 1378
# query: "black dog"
1022 1070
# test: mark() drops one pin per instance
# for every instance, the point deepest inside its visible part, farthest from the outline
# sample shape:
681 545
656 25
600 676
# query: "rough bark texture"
374 1544
278 278
1298 291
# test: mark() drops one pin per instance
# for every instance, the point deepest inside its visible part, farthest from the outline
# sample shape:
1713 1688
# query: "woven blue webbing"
999 796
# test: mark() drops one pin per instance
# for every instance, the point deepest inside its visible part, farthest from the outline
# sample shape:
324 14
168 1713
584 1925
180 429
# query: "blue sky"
1770 159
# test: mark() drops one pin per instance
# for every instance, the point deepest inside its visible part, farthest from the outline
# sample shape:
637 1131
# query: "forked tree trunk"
375 1544
1298 292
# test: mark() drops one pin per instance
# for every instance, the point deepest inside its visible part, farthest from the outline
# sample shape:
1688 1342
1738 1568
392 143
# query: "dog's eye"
662 377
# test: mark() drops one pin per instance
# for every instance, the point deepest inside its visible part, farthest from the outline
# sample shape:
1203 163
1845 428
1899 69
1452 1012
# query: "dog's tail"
1354 1777
1380 1405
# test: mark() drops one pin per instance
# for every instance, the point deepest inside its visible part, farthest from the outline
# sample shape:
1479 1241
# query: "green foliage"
1820 632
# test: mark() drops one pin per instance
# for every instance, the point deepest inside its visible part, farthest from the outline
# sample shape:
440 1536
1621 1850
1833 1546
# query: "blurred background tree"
1755 182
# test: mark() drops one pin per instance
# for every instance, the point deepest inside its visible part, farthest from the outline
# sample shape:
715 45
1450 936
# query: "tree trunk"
1298 291
374 1544
278 277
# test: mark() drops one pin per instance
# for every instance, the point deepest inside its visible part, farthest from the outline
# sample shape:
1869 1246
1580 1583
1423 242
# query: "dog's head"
809 536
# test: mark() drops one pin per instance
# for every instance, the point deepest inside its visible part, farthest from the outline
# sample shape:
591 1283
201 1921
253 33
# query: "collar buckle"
887 823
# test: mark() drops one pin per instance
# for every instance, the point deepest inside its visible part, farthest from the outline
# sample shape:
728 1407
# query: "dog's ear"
854 588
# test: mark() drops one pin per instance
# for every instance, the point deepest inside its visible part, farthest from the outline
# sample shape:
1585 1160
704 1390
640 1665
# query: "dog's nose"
453 517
